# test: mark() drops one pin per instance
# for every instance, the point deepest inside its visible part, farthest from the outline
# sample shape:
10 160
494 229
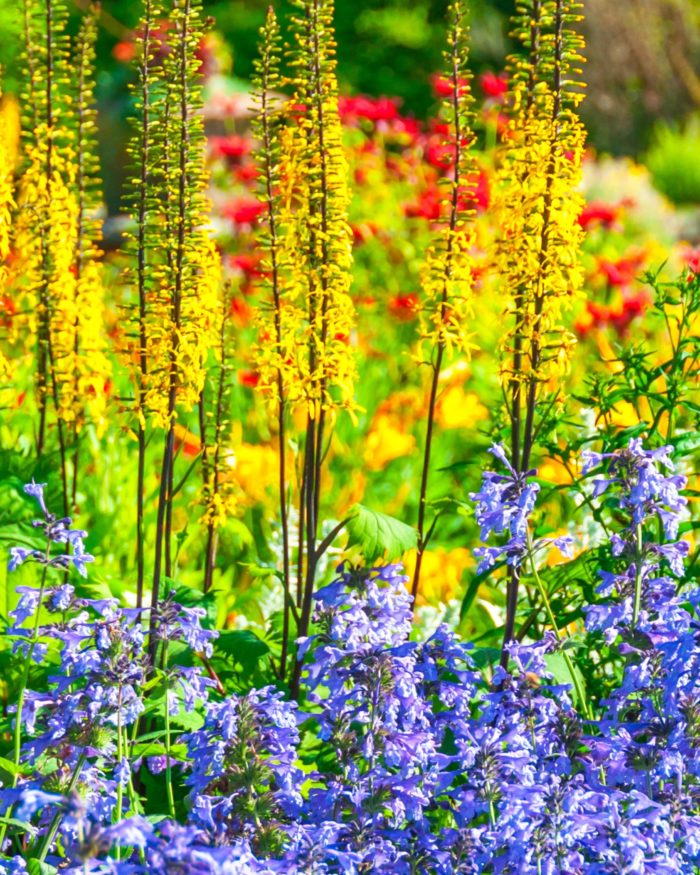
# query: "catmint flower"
175 622
56 531
243 776
503 507
641 486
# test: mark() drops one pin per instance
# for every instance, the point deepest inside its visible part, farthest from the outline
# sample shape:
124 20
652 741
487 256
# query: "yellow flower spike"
446 311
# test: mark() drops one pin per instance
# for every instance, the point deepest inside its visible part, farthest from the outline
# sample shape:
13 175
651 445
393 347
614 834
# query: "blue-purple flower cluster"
402 756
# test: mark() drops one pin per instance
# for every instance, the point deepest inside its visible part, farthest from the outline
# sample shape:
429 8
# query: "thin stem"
17 732
56 822
456 110
638 568
580 692
422 502
141 272
183 146
168 767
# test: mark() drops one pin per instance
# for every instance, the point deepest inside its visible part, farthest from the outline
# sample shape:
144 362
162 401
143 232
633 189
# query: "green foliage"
378 535
673 161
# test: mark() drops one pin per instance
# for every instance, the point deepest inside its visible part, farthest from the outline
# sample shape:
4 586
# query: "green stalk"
56 822
120 755
168 769
17 735
550 615
639 545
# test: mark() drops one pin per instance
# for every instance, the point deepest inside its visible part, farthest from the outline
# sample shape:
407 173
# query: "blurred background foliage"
643 70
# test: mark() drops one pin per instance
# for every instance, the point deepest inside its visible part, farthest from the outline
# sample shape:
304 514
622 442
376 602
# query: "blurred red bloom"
7 311
427 206
124 51
443 87
374 109
623 271
363 232
600 213
250 379
243 211
232 146
494 85
476 194
247 263
690 256
618 315
404 307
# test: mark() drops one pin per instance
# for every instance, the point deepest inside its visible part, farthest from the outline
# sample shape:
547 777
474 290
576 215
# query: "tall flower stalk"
218 494
537 211
309 365
177 268
268 121
141 154
447 274
57 232
89 363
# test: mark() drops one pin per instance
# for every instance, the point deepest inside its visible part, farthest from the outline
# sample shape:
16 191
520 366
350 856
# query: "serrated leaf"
378 535
243 645
686 443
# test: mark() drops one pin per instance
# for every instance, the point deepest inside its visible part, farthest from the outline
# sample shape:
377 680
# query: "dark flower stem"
456 84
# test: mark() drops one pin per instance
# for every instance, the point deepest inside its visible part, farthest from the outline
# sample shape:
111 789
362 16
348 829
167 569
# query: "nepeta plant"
402 757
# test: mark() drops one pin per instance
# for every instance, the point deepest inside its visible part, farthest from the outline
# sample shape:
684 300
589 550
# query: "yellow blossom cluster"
9 137
177 272
306 338
537 202
446 311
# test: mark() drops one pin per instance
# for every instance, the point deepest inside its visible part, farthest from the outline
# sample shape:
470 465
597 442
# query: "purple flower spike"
36 490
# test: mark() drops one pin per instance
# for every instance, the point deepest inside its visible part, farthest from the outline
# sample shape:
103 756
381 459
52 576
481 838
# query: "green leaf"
378 535
9 766
243 645
473 588
36 867
560 670
686 443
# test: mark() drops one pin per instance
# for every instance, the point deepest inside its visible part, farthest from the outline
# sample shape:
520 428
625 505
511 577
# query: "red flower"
374 109
364 232
438 153
426 207
124 51
599 213
618 315
443 87
7 311
233 147
404 307
476 195
623 271
494 85
245 172
690 256
240 310
250 379
247 263
243 211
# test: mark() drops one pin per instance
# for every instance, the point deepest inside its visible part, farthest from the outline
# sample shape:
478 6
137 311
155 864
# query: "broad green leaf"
243 645
378 535
560 671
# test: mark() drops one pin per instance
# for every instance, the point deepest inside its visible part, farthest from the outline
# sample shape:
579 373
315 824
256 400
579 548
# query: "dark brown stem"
45 365
268 152
444 314
164 495
141 269
521 463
